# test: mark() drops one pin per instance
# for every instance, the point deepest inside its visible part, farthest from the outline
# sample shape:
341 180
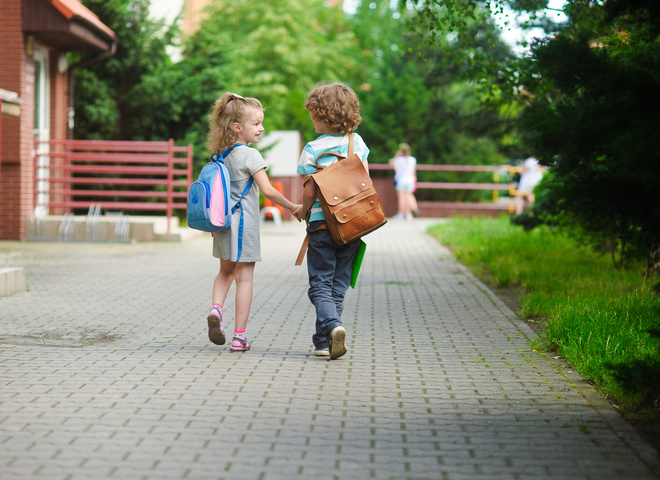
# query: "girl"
405 181
234 123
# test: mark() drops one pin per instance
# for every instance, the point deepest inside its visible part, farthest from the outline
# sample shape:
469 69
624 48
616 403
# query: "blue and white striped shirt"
324 143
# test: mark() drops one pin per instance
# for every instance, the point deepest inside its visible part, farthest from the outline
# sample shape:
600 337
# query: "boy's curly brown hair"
337 105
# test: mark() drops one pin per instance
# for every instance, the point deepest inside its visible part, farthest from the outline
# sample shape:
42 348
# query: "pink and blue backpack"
209 198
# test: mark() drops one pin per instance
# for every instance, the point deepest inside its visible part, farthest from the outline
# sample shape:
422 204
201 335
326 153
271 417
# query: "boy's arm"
308 196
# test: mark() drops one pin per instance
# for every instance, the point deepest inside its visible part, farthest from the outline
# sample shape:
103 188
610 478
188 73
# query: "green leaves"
111 101
594 120
274 50
420 89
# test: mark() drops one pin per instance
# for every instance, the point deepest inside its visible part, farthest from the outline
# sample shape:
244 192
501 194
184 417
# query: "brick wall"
15 141
17 162
59 95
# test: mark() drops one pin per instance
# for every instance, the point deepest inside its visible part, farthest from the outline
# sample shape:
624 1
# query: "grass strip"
604 321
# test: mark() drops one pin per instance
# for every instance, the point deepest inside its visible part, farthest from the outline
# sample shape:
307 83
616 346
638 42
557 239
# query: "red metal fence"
154 176
445 209
111 175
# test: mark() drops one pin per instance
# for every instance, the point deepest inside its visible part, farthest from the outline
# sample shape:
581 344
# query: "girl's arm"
272 194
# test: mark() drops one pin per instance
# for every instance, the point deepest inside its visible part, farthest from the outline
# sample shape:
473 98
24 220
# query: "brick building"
34 38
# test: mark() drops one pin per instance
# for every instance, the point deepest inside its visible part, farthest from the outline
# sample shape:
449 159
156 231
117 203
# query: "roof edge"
75 10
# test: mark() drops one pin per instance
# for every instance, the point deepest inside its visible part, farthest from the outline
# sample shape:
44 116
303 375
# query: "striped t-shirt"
324 143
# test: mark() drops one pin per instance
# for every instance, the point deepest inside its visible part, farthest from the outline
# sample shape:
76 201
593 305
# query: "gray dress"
242 163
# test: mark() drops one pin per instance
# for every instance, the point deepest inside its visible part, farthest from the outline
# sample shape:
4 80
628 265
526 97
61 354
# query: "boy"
335 111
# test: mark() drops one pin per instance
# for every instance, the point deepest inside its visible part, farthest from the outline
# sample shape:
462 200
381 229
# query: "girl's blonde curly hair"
227 110
336 105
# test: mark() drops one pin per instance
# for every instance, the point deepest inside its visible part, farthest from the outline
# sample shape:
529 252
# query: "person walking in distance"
405 182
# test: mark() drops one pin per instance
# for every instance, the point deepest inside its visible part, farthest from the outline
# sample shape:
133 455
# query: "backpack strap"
338 155
247 188
228 151
305 245
220 158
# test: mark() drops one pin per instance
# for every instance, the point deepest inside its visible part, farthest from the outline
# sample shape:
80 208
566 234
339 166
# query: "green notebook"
357 263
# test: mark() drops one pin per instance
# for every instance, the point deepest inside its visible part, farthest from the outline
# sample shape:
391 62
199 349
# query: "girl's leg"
401 200
223 281
243 275
409 205
221 286
413 203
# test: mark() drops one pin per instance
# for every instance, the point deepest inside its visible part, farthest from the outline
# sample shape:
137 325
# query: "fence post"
190 163
170 180
496 179
68 162
0 141
35 175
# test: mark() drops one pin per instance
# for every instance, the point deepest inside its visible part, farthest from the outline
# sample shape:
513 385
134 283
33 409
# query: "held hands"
296 211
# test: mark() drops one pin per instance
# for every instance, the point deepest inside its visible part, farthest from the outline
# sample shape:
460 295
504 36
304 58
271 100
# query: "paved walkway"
106 372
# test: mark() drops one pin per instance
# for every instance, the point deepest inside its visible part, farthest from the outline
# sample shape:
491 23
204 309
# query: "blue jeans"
329 267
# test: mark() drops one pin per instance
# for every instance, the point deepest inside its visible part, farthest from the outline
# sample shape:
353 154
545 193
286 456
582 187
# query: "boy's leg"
321 268
343 270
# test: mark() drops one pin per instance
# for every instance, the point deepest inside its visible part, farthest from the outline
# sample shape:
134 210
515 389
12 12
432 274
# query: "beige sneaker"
322 352
337 339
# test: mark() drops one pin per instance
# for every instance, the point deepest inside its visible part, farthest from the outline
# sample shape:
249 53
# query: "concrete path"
106 372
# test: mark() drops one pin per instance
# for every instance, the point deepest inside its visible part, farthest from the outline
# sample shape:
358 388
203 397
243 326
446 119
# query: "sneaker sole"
338 347
322 353
215 333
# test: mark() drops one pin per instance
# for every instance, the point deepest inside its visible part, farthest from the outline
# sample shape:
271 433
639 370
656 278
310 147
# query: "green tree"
111 101
274 50
417 92
277 50
591 93
593 120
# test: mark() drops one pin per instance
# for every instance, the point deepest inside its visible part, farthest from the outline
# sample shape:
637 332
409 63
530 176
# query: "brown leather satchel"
349 201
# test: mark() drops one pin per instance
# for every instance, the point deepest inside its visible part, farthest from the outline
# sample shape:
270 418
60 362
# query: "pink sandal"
216 332
239 344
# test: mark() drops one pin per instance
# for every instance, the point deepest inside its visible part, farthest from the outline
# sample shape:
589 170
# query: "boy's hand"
296 211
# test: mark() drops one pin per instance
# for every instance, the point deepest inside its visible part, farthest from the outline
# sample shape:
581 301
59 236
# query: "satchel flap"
357 208
342 180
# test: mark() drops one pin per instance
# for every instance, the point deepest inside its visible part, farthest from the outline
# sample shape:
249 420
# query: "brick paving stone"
106 371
